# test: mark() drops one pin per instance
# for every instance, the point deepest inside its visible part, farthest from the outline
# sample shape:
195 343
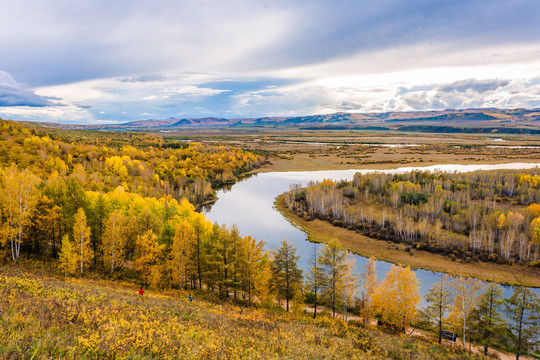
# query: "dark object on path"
190 298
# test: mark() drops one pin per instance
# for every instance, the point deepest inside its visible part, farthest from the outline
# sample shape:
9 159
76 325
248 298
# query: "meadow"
45 316
303 150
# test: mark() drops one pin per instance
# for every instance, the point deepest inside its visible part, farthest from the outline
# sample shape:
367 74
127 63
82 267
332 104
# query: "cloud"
240 36
472 93
478 86
281 57
13 93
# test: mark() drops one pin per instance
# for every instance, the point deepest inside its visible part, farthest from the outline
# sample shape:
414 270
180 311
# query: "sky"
97 62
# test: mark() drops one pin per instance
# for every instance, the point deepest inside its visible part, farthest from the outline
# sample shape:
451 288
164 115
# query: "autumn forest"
122 211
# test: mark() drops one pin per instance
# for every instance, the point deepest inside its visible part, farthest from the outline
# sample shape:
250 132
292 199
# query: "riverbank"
303 162
323 232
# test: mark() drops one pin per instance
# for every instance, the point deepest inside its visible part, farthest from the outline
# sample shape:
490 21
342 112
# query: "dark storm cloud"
14 94
52 41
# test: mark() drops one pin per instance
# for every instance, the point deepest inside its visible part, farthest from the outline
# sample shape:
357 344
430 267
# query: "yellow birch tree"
467 292
20 196
369 280
114 240
67 257
397 297
81 234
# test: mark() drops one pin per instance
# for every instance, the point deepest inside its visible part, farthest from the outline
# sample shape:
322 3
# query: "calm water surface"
250 205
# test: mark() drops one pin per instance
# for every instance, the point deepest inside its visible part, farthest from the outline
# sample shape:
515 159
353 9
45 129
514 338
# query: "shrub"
366 343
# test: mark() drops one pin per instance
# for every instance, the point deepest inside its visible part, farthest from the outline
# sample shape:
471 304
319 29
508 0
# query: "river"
250 205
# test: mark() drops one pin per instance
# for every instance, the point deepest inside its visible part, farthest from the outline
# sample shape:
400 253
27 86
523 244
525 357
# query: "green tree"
287 276
75 198
315 279
487 317
439 298
97 216
333 260
523 314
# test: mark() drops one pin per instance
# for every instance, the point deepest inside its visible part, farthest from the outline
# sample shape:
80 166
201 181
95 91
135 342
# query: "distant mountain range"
467 120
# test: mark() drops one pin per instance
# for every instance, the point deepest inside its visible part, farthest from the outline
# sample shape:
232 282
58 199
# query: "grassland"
303 150
43 316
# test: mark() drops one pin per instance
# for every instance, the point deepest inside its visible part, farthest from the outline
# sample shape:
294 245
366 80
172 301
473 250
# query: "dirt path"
478 349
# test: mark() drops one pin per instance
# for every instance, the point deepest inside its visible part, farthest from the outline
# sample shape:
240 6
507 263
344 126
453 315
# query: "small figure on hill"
190 298
141 291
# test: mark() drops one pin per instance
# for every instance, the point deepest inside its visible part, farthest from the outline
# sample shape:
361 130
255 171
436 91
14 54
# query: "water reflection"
250 205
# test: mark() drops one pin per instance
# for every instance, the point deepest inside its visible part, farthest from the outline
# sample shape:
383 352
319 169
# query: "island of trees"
476 216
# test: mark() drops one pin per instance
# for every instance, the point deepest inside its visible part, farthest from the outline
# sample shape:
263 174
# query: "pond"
250 205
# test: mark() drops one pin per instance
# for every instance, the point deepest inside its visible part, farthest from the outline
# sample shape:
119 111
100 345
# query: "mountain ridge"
394 120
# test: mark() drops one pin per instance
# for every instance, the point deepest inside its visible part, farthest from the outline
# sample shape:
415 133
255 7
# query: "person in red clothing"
141 291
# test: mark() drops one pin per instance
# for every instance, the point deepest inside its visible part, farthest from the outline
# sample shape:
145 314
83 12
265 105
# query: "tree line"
148 166
481 215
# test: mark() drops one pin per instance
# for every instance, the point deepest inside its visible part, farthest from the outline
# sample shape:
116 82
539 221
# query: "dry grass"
45 317
291 150
380 159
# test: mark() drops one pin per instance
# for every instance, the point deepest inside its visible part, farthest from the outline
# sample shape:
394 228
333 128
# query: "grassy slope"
43 316
322 231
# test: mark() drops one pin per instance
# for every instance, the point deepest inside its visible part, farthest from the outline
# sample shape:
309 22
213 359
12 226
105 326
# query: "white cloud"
64 114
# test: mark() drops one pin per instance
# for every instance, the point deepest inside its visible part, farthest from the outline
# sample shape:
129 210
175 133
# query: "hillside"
515 121
44 316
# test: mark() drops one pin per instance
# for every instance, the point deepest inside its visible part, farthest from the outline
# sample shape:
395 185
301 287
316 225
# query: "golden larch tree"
181 257
333 260
254 252
148 253
202 228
